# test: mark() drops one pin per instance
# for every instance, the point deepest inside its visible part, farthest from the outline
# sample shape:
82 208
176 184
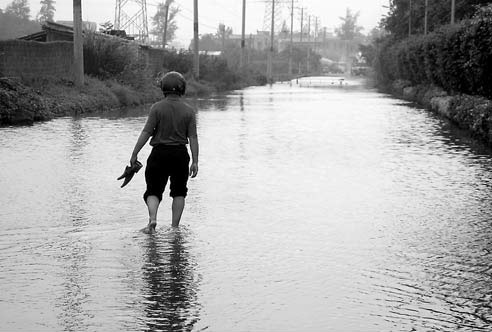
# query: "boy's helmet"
173 82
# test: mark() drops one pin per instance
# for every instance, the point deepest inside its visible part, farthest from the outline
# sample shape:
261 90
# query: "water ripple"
316 209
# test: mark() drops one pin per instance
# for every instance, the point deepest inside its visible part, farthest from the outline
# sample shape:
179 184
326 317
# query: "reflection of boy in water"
171 124
170 283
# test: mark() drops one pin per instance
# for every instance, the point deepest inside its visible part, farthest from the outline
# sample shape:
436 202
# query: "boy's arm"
142 139
146 133
194 156
193 139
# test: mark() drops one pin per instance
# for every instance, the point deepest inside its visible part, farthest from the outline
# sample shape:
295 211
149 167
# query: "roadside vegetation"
455 57
447 68
116 76
13 26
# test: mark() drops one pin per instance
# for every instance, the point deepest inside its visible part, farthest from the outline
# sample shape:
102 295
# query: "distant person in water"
171 125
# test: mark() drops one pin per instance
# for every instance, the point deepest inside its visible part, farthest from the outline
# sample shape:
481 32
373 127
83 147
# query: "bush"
108 57
124 94
455 57
181 61
214 70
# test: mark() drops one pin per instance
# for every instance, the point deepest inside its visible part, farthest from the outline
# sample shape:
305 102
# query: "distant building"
334 51
51 31
258 41
328 47
86 25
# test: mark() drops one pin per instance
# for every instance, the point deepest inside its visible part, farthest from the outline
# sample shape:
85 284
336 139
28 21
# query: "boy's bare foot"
150 228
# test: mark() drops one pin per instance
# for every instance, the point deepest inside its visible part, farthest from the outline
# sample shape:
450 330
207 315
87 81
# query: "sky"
228 12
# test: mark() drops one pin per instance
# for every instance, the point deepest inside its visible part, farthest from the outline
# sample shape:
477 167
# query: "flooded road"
316 208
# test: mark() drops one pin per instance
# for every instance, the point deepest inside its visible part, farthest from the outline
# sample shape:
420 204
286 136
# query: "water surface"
316 208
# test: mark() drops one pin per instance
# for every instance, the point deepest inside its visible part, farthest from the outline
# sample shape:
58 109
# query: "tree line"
20 9
403 12
15 19
455 57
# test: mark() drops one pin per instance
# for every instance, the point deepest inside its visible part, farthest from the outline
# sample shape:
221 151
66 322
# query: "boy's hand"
193 170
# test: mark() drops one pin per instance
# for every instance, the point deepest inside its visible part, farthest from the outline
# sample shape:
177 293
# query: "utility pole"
302 22
453 10
270 54
324 40
78 44
222 28
410 18
243 40
426 16
315 46
250 47
291 37
300 38
166 16
308 67
196 70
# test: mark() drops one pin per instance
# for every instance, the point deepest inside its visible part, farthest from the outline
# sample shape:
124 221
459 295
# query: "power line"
187 17
207 17
200 23
190 12
222 7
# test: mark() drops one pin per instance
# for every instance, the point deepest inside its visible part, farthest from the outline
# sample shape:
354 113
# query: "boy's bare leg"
177 208
152 205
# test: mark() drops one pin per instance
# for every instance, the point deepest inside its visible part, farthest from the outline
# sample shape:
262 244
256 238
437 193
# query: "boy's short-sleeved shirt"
171 122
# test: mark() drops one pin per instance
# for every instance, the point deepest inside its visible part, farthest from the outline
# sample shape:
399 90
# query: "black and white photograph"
245 166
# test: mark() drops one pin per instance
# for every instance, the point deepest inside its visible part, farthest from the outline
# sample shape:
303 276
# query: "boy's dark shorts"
167 162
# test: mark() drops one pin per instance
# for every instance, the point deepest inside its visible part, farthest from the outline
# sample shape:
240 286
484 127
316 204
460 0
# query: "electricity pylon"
131 16
267 18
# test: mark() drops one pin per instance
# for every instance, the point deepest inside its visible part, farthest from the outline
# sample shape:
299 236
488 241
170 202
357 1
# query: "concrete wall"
153 59
29 59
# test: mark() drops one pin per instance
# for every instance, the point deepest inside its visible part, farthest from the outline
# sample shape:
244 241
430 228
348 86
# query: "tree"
368 49
18 8
159 21
348 29
284 30
223 33
12 26
439 13
47 11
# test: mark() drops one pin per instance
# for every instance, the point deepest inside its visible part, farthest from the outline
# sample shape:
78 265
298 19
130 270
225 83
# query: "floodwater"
316 208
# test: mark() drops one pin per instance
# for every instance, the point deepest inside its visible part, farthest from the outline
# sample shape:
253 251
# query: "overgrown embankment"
118 74
449 71
45 99
473 113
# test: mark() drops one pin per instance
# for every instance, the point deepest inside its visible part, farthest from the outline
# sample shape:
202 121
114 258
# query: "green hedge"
457 57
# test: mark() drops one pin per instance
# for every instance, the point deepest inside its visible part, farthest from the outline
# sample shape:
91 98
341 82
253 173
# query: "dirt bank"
45 99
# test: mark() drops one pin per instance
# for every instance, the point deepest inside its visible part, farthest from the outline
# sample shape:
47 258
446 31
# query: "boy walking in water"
171 124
